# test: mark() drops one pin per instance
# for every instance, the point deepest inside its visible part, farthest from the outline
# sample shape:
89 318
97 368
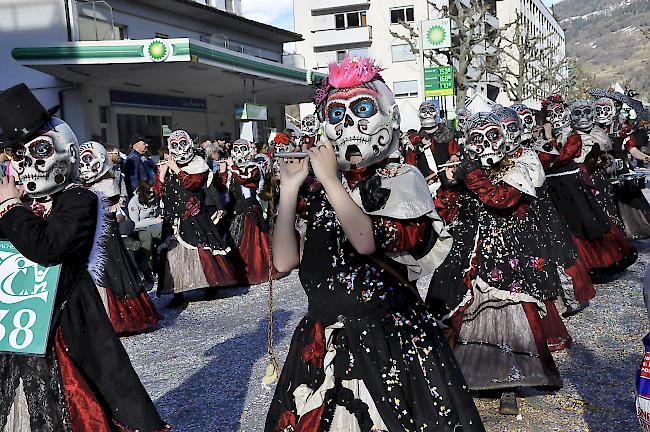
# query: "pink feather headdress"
351 72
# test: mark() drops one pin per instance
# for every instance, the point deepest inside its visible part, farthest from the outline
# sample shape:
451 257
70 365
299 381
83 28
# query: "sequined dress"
367 354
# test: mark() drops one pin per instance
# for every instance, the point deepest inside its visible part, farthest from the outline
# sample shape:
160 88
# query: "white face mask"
582 115
363 124
242 152
527 119
310 125
428 115
93 162
181 146
558 116
47 163
605 111
485 139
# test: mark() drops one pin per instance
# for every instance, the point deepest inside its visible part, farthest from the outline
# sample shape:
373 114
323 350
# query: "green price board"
27 293
439 81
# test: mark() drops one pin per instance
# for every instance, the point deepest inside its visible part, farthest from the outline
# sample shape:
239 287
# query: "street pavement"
203 366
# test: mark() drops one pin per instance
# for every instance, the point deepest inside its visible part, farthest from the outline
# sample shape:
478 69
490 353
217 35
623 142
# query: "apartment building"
331 29
537 21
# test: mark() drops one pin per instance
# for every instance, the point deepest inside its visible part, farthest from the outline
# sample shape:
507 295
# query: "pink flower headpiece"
351 72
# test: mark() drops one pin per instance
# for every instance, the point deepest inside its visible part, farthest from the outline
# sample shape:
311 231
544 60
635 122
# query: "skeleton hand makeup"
47 163
242 152
558 116
93 162
528 121
181 147
512 127
428 115
485 139
582 115
605 111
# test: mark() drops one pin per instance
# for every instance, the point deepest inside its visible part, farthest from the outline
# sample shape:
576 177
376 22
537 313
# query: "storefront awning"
173 67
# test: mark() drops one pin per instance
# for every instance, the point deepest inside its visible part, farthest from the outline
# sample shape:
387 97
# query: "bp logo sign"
157 50
436 34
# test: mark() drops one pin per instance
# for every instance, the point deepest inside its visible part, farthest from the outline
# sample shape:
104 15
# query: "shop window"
402 14
402 53
405 88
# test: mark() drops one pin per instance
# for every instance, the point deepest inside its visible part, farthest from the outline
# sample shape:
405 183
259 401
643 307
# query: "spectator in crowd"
144 211
117 164
136 169
203 142
222 142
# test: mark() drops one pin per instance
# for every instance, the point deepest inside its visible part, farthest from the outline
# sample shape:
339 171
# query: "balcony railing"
348 37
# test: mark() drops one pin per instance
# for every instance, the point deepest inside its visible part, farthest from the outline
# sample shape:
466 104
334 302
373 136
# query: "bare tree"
529 66
470 44
577 82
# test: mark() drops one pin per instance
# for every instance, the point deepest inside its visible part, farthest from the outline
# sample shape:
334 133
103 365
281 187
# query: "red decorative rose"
193 208
538 263
314 353
287 422
281 138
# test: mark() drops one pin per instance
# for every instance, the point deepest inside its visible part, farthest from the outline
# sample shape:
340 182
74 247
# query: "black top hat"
21 115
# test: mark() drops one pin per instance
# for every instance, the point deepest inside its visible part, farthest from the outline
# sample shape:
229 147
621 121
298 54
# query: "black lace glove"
373 196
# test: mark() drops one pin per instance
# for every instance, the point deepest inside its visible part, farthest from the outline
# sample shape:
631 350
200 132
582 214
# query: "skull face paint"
363 124
93 162
605 111
512 127
310 125
428 114
242 152
558 116
47 163
181 147
582 115
485 139
527 119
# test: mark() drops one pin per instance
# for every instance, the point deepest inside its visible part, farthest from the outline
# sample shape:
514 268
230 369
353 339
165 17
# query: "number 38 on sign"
27 293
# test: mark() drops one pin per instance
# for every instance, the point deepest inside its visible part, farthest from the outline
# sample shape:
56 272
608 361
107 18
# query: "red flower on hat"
281 138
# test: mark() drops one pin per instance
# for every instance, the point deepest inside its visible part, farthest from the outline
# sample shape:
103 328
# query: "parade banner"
27 293
439 81
436 34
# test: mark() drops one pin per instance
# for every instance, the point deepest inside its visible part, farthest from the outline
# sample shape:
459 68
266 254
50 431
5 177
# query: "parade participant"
462 114
602 246
241 178
127 302
633 208
433 145
368 355
499 269
85 381
194 253
309 126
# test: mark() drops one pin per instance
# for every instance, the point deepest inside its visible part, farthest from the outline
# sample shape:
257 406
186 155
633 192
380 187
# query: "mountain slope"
607 39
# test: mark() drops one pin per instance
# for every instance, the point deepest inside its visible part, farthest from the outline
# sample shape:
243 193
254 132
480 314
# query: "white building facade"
363 28
536 21
118 67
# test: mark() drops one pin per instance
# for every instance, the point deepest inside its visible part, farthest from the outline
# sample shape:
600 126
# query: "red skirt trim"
86 413
582 286
217 269
604 252
132 315
557 335
255 252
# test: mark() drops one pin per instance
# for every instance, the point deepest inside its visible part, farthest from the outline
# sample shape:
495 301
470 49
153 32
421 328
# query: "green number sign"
439 81
27 293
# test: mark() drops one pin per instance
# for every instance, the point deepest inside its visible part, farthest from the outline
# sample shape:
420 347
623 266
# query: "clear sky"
280 12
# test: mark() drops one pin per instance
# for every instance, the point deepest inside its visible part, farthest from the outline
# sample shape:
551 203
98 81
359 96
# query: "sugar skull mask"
582 115
605 111
428 114
242 152
558 116
93 162
485 139
363 124
511 125
47 163
181 147
528 121
462 114
309 125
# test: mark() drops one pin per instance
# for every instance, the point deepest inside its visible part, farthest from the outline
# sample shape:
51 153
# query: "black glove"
466 166
373 196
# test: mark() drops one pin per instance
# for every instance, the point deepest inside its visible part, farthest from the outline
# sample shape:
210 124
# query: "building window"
356 52
402 53
351 19
405 88
402 14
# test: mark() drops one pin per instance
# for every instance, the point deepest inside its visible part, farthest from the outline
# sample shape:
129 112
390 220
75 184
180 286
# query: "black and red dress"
248 227
195 255
601 244
121 287
633 207
496 284
368 355
85 381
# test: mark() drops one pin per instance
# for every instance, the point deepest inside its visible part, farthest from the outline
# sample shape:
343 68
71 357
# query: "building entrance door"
150 125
